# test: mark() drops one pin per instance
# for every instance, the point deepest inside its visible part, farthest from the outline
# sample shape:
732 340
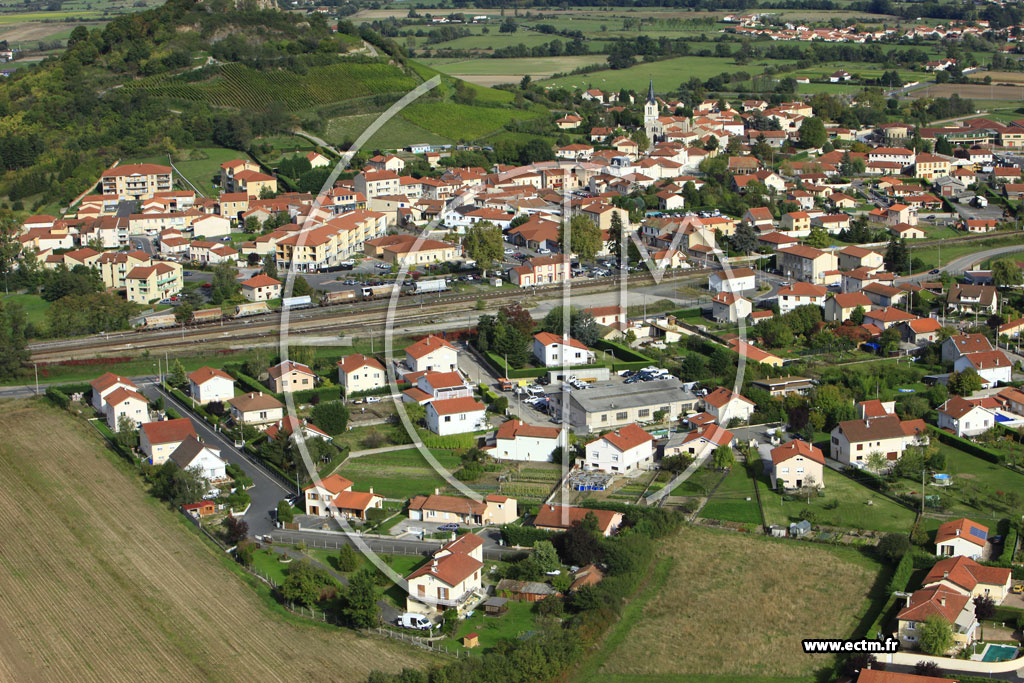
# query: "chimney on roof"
945 575
957 532
437 492
371 490
942 601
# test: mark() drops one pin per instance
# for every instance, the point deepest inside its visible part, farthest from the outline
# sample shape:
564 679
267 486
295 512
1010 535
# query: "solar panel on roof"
979 533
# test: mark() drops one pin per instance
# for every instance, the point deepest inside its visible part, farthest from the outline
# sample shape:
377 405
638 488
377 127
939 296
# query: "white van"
414 621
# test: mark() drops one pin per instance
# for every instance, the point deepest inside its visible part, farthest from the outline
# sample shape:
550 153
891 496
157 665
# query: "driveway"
267 491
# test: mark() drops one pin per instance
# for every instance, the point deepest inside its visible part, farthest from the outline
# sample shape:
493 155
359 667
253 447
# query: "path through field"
101 582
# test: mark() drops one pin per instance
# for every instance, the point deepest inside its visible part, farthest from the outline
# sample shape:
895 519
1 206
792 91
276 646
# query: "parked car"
373 399
933 271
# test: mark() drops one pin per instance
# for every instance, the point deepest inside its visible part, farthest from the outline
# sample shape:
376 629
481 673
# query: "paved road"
268 489
394 546
959 265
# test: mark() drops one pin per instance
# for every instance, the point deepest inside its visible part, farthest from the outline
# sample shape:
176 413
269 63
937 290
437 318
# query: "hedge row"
524 535
450 442
325 393
901 577
248 383
83 388
969 447
623 352
513 373
57 397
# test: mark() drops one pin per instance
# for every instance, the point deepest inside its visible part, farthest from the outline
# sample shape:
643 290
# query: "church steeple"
650 92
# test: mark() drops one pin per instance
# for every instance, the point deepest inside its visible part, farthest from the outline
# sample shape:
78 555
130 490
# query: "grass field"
35 307
853 511
468 121
398 474
735 607
667 74
102 581
200 172
395 134
493 71
729 501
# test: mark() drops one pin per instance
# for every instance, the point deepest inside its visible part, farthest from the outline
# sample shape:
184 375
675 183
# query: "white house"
800 294
700 442
516 440
431 354
854 441
208 384
106 383
319 496
964 418
961 537
735 280
796 464
261 287
456 416
128 402
193 453
725 405
449 579
357 372
730 308
621 450
158 440
992 366
551 350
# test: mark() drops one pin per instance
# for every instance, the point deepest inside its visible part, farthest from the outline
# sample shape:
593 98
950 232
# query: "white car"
373 399
543 250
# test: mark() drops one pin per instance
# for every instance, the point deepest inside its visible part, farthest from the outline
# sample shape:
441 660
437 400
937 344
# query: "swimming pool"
999 653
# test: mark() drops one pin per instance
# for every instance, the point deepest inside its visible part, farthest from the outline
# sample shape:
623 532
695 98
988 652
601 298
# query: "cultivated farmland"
102 582
735 607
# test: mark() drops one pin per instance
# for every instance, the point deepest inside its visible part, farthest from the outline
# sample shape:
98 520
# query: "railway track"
336 320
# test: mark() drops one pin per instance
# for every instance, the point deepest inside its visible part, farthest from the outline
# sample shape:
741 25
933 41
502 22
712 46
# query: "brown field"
737 606
977 92
1003 76
101 582
38 30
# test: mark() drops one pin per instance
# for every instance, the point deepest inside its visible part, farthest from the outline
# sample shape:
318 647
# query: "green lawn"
266 562
734 499
852 512
35 307
201 170
698 484
398 474
535 66
467 121
979 487
518 619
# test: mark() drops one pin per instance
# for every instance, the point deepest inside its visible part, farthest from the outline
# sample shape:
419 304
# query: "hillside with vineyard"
190 73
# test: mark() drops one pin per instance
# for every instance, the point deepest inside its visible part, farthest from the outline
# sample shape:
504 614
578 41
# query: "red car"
207 285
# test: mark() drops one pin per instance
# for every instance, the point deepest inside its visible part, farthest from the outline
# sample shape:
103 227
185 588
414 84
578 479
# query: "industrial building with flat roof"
606 405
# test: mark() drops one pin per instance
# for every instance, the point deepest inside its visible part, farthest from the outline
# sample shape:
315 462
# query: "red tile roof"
168 431
357 360
961 528
453 406
627 438
427 345
334 483
514 428
552 516
206 373
794 448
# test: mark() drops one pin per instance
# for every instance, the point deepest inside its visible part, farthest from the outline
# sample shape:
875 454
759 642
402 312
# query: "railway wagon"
377 292
252 308
158 321
207 315
331 298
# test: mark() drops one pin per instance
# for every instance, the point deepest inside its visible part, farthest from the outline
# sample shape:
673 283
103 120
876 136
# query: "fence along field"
102 582
235 85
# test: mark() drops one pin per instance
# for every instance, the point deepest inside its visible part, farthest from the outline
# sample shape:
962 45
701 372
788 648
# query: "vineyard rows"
236 85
